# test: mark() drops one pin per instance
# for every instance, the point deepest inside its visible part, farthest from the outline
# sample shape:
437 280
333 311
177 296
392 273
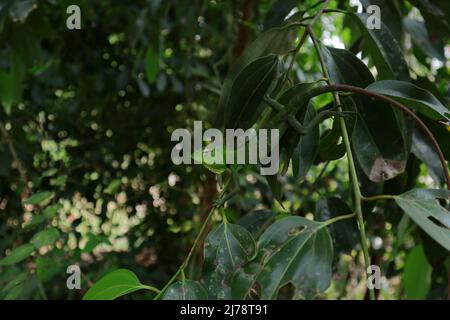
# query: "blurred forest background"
86 119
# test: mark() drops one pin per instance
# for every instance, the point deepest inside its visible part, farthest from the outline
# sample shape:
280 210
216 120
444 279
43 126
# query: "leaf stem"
150 288
338 218
354 178
376 198
221 199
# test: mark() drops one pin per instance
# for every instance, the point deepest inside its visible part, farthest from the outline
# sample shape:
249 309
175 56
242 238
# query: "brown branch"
395 104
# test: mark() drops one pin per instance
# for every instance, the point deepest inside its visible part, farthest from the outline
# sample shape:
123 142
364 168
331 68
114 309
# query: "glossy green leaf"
297 251
379 160
39 198
276 41
423 208
45 237
185 290
227 249
390 15
383 48
115 284
417 274
17 255
248 90
257 221
413 97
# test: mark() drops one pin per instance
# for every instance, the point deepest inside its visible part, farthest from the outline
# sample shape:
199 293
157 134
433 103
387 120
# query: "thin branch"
395 104
351 161
16 160
304 37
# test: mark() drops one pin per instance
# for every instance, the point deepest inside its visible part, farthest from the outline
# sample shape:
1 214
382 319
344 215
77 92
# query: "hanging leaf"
390 15
413 97
17 255
227 249
423 208
379 160
417 275
383 49
115 284
297 251
247 92
185 290
276 41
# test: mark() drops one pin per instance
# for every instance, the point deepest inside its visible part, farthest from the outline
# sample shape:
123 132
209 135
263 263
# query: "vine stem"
191 252
348 88
353 175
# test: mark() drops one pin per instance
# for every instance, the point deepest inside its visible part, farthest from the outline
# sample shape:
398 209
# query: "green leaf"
228 248
51 211
307 149
151 64
38 198
115 284
185 290
345 233
45 237
423 208
383 48
276 41
247 92
390 15
297 251
413 97
257 221
35 220
417 275
17 255
331 147
379 160
344 67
